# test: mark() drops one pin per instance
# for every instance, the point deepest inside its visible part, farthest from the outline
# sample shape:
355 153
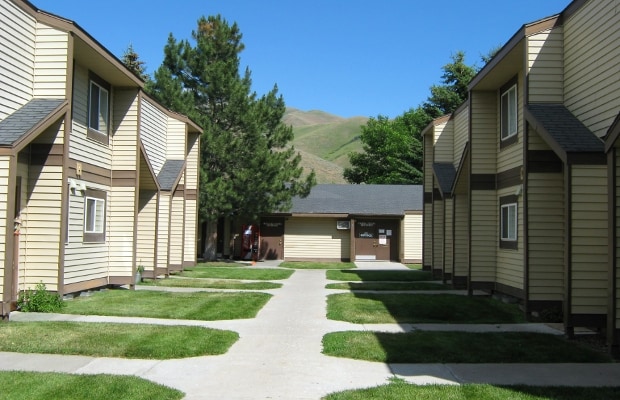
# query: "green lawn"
202 306
317 265
458 347
375 275
245 273
384 286
401 390
114 340
56 386
210 284
375 308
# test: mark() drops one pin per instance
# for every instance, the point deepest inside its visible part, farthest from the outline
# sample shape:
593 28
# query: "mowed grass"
386 286
379 308
317 265
210 284
245 273
458 347
202 306
377 275
400 390
114 340
56 386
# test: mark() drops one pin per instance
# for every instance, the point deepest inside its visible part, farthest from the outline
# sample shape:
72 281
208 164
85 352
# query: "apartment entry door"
271 239
376 240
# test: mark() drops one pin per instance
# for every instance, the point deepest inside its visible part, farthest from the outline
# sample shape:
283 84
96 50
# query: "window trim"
511 137
92 133
94 236
508 202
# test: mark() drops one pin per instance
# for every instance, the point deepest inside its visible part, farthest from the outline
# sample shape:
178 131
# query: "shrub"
39 300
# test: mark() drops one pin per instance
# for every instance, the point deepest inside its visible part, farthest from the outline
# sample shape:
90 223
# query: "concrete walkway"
278 355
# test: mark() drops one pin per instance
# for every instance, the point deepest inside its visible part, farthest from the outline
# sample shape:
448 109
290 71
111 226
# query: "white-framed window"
98 111
94 216
509 223
509 125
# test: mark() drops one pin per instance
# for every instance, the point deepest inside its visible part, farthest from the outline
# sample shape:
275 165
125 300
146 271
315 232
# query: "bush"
39 300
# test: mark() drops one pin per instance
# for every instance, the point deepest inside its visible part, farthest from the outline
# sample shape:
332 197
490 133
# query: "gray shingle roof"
360 200
565 129
22 121
445 174
170 173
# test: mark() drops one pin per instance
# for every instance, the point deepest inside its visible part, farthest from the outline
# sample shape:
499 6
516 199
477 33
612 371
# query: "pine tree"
132 61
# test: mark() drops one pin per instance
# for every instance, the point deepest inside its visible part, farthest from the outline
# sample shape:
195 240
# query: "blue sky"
345 57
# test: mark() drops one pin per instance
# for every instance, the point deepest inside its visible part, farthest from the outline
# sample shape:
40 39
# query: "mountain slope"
325 141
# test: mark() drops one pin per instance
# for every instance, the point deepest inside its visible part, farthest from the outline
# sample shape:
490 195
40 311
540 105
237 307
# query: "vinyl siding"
84 261
125 113
427 227
153 132
412 229
461 232
485 136
444 142
437 244
51 62
4 215
589 239
190 251
484 235
428 162
175 148
191 165
546 66
80 147
592 50
313 238
147 219
510 270
163 230
41 227
448 239
177 219
17 43
617 225
546 239
121 230
461 134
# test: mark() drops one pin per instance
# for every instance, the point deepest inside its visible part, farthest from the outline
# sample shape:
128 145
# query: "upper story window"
509 112
98 109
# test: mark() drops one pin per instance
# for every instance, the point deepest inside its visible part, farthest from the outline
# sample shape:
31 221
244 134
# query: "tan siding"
41 227
412 228
191 224
4 217
589 239
121 230
85 261
147 219
448 240
484 235
177 219
437 244
484 133
592 50
316 238
510 270
80 147
17 41
546 66
428 163
546 236
428 234
163 229
175 148
444 142
126 130
617 260
461 232
192 164
461 134
153 132
50 73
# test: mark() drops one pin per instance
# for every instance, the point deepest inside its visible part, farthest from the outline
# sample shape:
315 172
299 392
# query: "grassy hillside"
325 141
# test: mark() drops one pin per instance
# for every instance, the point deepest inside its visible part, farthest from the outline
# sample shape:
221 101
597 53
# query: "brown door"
376 240
271 239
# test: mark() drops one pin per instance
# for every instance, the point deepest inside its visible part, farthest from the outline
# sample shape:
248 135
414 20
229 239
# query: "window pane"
103 111
512 111
89 215
93 117
99 216
512 223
